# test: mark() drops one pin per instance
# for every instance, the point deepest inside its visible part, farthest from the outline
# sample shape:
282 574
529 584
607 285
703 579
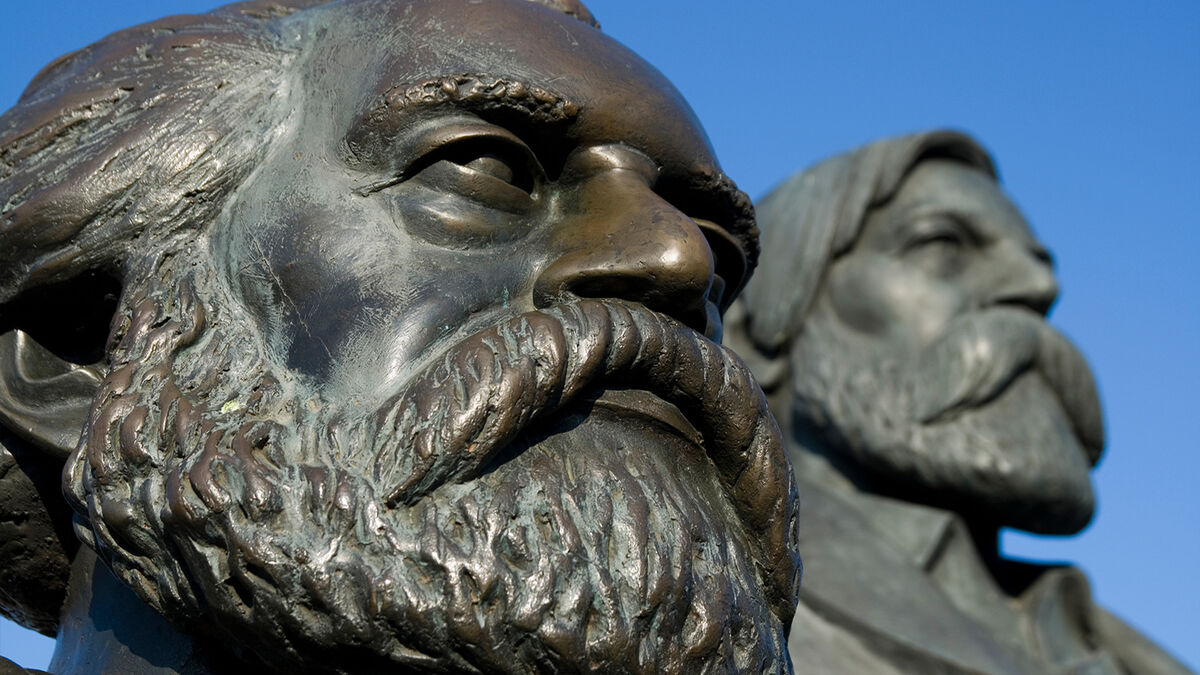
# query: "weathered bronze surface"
897 323
378 336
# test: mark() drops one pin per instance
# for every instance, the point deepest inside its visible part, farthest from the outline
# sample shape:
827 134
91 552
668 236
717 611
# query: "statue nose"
1027 279
619 239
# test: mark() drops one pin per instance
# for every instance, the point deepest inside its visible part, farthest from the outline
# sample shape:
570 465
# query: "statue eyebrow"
476 92
480 91
966 221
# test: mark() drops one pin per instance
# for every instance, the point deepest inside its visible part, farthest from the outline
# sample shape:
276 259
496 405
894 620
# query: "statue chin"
600 536
1032 476
612 539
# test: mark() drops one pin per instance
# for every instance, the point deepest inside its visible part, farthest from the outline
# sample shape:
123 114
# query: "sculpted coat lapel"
900 587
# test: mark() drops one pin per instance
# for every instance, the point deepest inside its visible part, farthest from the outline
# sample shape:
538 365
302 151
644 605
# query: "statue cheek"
402 317
877 295
862 294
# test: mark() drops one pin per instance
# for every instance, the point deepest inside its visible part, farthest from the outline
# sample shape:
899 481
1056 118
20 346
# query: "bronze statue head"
408 363
908 296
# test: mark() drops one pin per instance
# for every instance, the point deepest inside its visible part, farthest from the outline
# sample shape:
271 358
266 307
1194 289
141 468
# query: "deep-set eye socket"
490 171
947 240
501 158
941 230
938 242
465 183
471 158
496 167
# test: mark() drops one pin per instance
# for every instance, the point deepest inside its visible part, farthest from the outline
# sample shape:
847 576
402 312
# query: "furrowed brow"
469 91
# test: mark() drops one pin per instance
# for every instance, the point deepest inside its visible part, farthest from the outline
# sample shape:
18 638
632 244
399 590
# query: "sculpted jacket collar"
867 556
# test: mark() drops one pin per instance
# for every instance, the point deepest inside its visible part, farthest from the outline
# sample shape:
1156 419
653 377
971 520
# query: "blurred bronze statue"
378 336
897 323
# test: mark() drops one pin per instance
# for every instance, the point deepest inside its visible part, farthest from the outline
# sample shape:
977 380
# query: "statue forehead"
947 187
364 49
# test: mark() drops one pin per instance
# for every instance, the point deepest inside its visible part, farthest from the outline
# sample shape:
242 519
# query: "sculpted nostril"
564 282
1036 291
1040 306
1041 303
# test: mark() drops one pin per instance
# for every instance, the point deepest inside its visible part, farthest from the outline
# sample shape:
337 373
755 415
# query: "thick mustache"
982 353
454 417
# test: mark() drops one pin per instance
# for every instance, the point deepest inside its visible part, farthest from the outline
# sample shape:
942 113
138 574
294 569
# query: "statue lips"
640 403
984 354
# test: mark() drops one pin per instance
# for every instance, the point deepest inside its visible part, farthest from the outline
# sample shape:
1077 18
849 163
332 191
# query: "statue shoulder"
818 646
1136 652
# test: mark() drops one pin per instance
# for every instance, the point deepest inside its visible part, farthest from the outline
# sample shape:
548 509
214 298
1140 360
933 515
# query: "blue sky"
1090 110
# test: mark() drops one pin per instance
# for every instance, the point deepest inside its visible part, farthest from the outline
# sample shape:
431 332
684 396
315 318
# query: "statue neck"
106 628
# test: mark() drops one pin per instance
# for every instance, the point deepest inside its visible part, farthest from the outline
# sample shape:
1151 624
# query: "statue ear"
44 399
53 341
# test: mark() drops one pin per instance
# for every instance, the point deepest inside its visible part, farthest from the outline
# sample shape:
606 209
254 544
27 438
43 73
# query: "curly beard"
998 419
490 518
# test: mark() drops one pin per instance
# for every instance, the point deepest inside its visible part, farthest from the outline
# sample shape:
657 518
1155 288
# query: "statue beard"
491 517
998 419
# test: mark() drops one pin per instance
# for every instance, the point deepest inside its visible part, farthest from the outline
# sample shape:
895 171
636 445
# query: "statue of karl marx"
378 336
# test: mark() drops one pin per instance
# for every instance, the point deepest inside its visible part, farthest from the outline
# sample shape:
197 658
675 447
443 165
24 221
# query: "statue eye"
495 172
515 166
937 243
937 232
463 184
493 166
944 240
